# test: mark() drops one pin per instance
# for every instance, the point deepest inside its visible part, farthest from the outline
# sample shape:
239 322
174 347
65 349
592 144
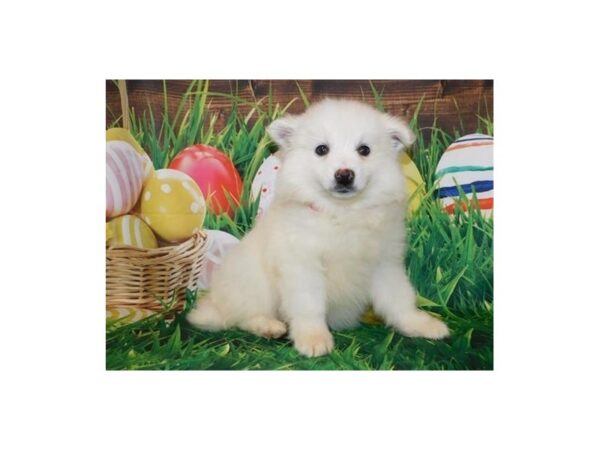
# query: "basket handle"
124 102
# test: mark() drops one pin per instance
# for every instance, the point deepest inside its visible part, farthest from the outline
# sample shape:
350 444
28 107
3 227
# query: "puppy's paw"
273 328
267 327
314 343
420 324
206 316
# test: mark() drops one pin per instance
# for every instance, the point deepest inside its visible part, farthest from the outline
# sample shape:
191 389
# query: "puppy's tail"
206 315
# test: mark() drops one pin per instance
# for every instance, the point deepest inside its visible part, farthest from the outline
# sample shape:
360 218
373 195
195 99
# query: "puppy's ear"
282 130
400 133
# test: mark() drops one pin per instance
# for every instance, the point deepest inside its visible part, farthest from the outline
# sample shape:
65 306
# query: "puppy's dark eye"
363 150
321 150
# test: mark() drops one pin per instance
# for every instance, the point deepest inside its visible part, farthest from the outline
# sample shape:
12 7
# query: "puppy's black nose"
345 177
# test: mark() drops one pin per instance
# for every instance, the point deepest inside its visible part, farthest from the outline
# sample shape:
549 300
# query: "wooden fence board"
451 101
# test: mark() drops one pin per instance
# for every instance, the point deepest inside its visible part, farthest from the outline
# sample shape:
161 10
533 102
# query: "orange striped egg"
124 178
467 167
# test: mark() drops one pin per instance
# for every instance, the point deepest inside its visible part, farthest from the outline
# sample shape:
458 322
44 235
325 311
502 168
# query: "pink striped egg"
124 178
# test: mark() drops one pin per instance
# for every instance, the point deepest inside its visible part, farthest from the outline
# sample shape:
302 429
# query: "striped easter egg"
124 178
467 165
130 231
121 134
126 314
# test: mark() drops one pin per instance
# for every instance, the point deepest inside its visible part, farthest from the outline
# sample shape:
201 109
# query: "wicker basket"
139 277
143 278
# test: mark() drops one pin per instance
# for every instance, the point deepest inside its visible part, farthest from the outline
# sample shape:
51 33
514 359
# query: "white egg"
264 182
219 243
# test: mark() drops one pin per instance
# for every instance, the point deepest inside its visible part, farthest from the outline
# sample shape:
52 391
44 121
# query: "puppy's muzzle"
344 178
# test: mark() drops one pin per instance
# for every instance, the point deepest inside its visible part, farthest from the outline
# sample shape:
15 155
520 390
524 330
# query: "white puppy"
332 241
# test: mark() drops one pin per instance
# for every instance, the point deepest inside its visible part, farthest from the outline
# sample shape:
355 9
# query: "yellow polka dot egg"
130 231
172 205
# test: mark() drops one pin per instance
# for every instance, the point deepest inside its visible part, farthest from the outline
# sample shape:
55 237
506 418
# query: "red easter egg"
214 173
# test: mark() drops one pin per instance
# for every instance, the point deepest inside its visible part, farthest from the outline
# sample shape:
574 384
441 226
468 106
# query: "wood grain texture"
451 101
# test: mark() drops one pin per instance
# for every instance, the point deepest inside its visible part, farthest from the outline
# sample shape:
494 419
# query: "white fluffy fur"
317 259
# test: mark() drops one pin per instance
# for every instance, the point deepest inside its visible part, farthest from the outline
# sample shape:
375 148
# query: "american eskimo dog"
332 242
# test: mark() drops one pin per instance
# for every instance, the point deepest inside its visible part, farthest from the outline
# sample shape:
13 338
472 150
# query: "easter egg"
218 243
415 186
263 184
130 231
121 134
124 178
172 205
214 173
122 315
467 165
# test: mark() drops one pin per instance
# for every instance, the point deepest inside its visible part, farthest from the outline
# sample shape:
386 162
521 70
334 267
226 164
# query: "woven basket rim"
174 247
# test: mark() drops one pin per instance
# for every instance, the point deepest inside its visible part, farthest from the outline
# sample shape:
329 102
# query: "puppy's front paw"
314 343
264 326
420 324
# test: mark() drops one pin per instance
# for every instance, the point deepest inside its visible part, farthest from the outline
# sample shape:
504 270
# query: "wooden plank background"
451 101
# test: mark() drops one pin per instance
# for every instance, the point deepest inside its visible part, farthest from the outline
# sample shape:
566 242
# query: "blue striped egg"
467 165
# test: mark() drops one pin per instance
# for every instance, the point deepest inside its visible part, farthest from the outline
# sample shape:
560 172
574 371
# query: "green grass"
450 261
